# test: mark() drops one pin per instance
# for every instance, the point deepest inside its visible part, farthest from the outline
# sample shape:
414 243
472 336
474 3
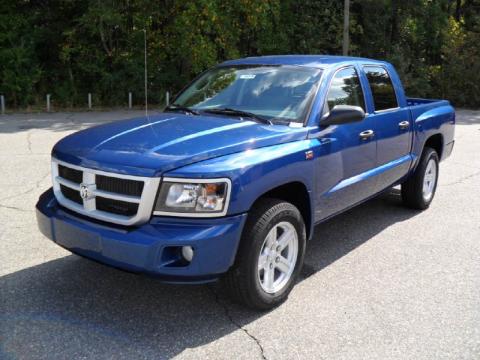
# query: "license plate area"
73 238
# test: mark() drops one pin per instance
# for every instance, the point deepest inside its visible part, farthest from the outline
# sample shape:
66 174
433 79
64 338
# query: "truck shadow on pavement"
75 308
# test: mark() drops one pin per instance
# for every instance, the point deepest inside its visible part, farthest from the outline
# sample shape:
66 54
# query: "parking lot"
380 281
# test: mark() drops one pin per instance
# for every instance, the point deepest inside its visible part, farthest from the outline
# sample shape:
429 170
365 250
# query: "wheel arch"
296 193
435 142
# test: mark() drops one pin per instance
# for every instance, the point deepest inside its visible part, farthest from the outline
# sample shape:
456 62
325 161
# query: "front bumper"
152 248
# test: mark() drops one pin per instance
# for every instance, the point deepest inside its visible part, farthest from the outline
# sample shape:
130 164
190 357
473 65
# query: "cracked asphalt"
380 281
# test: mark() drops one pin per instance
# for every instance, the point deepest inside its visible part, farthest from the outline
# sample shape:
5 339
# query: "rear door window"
383 93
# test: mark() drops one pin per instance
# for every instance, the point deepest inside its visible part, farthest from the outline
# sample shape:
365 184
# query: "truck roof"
318 61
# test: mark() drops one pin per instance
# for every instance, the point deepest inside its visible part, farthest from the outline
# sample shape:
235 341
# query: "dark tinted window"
382 88
345 89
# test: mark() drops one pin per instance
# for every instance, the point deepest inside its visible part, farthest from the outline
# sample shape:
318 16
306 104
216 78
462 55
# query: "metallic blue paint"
146 248
345 170
370 173
317 61
149 147
257 171
432 118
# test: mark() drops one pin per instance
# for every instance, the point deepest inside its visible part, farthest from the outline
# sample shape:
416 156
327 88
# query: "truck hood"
150 147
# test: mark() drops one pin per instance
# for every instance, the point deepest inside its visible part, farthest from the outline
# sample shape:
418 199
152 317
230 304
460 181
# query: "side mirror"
343 114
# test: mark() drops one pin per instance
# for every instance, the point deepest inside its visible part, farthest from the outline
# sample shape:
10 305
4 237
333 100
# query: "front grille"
119 186
124 200
71 194
70 174
116 206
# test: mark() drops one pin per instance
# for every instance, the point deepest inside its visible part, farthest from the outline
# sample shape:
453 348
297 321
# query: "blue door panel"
393 142
391 172
359 187
345 155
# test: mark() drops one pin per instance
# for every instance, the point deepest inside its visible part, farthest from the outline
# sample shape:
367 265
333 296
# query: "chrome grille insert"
116 198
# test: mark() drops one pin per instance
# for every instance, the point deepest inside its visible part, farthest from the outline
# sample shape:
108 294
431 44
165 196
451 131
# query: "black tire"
242 281
412 189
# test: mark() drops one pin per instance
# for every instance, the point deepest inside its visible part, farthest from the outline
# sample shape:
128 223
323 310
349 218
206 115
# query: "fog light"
187 253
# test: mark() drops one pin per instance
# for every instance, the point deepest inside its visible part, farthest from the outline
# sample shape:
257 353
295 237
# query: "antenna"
146 74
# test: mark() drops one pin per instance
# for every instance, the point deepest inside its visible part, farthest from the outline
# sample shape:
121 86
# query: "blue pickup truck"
229 181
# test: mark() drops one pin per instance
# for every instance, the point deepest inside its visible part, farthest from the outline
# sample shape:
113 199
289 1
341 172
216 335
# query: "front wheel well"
297 194
435 142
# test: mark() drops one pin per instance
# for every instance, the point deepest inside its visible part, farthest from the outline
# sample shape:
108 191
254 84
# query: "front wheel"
418 191
270 255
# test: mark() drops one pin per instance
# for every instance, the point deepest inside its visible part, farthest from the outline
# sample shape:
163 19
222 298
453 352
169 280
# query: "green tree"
70 48
20 70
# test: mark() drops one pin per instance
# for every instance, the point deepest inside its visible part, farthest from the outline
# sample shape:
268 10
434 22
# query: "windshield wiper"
185 109
241 113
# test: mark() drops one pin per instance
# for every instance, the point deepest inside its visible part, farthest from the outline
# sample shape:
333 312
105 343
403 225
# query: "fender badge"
309 155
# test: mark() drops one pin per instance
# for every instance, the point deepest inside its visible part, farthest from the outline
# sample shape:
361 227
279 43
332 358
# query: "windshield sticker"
247 76
294 124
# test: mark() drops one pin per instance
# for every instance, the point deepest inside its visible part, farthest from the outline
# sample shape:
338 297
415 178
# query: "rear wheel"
418 191
270 255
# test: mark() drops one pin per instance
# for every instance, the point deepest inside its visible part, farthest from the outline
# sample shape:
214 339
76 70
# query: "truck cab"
230 179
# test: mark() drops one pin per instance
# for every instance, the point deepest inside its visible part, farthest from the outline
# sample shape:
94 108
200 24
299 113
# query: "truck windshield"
275 93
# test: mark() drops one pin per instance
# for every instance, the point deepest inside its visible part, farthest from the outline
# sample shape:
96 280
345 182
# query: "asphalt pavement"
380 281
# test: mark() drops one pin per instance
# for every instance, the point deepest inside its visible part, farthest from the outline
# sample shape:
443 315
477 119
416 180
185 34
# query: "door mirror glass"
343 114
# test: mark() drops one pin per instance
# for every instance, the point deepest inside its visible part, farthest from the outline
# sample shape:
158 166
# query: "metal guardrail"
48 101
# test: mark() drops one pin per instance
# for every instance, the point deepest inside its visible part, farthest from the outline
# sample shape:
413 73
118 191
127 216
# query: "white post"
167 98
90 101
129 100
48 102
2 101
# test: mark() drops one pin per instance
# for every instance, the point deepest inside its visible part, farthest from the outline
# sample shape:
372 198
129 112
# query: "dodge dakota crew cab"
229 181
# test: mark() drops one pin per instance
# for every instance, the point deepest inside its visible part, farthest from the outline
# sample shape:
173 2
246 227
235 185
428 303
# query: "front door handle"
403 125
367 134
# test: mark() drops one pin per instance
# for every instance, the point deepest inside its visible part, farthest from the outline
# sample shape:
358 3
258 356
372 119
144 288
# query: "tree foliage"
70 48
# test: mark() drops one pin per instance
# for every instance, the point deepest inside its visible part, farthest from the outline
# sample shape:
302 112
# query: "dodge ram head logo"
85 191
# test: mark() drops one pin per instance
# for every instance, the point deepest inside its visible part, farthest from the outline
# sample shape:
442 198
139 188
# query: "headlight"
193 197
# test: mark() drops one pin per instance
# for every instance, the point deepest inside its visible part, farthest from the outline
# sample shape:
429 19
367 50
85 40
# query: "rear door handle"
367 134
403 125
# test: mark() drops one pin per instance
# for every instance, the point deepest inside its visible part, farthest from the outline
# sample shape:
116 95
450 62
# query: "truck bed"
419 107
431 116
420 101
